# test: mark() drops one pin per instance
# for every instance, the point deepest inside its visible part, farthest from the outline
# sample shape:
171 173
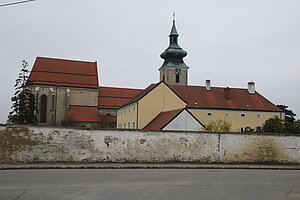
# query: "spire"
173 30
174 54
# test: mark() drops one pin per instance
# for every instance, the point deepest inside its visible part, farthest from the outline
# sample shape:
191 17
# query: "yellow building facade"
240 120
142 110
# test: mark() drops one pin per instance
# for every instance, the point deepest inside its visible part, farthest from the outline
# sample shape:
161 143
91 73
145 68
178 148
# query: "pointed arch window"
43 109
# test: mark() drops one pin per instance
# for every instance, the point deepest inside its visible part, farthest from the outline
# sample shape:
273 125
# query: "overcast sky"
230 42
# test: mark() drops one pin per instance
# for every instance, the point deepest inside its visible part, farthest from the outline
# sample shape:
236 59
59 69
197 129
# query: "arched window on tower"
177 78
177 73
43 110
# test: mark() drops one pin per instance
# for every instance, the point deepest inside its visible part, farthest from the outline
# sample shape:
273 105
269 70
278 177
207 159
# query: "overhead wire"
14 3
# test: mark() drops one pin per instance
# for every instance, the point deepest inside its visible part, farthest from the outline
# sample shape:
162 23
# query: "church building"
68 93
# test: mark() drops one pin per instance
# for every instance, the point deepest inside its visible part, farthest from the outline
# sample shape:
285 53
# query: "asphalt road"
149 184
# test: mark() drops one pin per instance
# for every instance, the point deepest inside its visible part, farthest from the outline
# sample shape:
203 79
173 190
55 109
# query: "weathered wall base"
42 144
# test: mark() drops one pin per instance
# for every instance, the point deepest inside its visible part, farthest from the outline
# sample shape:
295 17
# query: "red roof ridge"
216 87
115 87
63 59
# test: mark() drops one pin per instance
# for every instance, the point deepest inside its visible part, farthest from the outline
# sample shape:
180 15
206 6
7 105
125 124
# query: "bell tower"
174 71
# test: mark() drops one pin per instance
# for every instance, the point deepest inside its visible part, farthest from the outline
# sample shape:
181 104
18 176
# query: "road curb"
146 166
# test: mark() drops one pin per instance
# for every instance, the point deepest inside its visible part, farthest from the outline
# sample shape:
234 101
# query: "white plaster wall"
184 122
252 148
42 144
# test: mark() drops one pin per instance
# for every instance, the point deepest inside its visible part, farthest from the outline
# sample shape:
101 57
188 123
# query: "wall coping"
145 131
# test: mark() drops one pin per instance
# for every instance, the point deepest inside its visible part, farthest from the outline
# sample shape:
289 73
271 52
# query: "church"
68 93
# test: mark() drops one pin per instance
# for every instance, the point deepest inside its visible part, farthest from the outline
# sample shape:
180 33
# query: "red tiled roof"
83 114
163 119
239 99
236 99
46 71
112 97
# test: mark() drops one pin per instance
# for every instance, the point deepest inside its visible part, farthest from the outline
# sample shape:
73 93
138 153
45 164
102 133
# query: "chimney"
251 87
207 85
227 93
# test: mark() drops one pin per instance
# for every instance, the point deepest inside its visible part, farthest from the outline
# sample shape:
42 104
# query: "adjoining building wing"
244 109
179 120
113 97
223 98
109 100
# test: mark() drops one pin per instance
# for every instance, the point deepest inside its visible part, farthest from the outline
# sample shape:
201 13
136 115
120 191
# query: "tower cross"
173 17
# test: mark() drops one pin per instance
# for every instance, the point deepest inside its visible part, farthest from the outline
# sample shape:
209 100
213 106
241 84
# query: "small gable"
185 121
179 120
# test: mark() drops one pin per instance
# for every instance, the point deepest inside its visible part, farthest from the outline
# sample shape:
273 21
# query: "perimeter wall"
53 144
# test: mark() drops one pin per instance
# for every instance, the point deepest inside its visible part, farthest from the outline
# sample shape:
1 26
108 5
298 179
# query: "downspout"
55 102
137 115
37 89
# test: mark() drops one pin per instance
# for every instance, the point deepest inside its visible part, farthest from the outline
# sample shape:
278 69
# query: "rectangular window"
258 116
124 125
243 115
133 125
209 114
128 124
133 108
242 129
120 125
226 114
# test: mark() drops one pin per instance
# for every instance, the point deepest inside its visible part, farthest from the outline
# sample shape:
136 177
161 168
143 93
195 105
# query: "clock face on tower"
177 71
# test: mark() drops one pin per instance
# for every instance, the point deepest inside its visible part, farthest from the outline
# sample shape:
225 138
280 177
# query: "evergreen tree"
24 105
289 114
